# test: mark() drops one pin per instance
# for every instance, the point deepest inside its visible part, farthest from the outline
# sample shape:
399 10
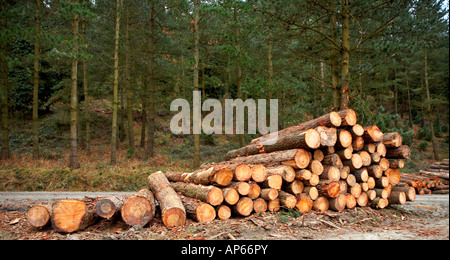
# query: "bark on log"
355 163
358 144
410 192
361 175
397 198
213 175
39 216
345 154
402 152
109 207
287 200
339 203
329 189
348 117
299 157
295 187
198 210
333 160
273 181
269 194
328 136
309 139
209 194
286 172
382 182
139 209
331 173
172 210
392 140
70 216
396 164
375 171
372 134
332 119
379 203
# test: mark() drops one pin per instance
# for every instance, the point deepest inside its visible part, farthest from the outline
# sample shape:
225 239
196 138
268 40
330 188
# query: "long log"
402 152
286 172
209 194
332 119
70 216
299 157
410 192
397 198
213 175
172 210
139 209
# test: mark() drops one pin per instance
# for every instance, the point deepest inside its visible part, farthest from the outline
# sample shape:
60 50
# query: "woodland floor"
425 219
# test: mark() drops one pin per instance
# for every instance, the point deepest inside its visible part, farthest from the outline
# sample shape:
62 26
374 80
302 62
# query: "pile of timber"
328 163
435 180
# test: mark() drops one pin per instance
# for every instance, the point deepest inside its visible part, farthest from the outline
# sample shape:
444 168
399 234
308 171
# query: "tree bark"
152 84
114 134
209 194
196 77
198 210
402 152
172 210
345 55
74 164
109 207
128 79
36 82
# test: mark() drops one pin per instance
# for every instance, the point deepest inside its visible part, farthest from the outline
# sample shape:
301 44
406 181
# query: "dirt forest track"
424 219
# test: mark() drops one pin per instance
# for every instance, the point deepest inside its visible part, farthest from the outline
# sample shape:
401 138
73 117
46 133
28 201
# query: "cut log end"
38 216
224 177
259 173
136 211
302 158
312 139
215 196
243 173
205 213
345 139
71 215
244 207
335 119
174 217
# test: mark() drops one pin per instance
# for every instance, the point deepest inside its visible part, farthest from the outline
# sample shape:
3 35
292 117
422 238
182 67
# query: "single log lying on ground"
410 192
70 216
139 209
109 207
172 210
39 216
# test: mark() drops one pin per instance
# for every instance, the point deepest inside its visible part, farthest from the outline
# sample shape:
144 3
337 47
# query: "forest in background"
87 81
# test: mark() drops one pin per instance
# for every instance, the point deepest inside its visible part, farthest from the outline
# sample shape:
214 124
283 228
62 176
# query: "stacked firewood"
328 163
435 180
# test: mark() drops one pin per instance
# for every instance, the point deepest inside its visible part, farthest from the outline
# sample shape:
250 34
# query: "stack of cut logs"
435 180
328 163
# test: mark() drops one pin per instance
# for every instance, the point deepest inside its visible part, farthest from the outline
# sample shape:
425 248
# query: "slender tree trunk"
116 86
237 31
144 86
74 164
87 100
36 82
270 67
334 61
196 75
152 85
345 53
429 111
4 87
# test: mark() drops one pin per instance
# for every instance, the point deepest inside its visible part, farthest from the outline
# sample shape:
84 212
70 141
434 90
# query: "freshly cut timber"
309 139
259 205
199 211
381 149
70 216
366 158
312 192
172 210
350 201
244 207
39 216
344 139
259 173
355 163
286 199
316 167
213 175
372 134
331 159
269 194
243 188
329 189
286 172
109 207
230 195
243 172
410 192
393 176
338 203
356 130
273 205
379 203
358 143
295 187
255 191
273 181
363 199
375 171
300 158
348 117
331 173
223 212
397 198
304 203
332 119
208 194
402 152
321 205
392 140
139 209
328 136
396 164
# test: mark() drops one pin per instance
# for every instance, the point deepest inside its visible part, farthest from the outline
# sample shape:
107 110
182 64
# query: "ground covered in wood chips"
425 219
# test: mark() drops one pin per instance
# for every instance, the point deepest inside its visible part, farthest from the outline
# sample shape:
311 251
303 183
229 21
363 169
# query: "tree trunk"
72 215
334 60
128 79
172 210
196 78
109 207
139 209
114 134
209 194
429 111
39 216
87 100
36 82
345 54
199 211
299 158
74 164
152 83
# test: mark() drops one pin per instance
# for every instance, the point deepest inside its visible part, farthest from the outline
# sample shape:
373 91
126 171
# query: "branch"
376 32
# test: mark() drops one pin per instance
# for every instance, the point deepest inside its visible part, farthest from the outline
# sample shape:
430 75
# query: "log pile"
435 180
328 163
